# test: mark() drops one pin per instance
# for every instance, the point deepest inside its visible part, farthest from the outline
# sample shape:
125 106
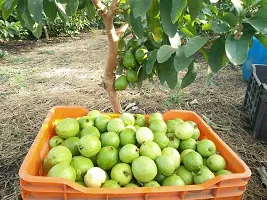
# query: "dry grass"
23 109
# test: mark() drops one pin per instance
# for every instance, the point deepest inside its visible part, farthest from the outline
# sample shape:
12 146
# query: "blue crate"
257 55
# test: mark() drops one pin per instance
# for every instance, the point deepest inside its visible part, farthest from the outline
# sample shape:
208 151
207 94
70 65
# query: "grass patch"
4 78
18 59
14 76
47 52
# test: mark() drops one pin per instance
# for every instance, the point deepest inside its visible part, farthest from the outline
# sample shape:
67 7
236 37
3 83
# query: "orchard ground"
37 75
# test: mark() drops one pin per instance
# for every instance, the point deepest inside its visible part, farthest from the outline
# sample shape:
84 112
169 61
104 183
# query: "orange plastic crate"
36 186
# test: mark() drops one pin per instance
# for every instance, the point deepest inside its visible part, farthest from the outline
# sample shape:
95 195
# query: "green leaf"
137 26
164 53
152 42
207 11
142 75
136 23
126 15
8 4
259 21
1 4
248 2
187 32
238 5
248 30
61 7
206 27
30 24
129 44
237 50
8 8
220 27
194 44
152 58
90 9
153 21
262 3
180 61
50 9
190 76
189 24
217 55
230 18
121 44
141 7
165 10
72 6
37 30
263 39
21 6
35 8
61 1
194 7
166 72
205 54
214 9
177 8
165 39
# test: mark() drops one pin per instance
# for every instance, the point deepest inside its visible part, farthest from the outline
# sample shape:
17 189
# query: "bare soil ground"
37 75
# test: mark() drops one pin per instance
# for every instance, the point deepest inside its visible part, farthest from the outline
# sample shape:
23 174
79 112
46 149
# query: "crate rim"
256 77
52 180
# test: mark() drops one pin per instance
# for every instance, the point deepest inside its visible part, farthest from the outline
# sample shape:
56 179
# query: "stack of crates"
256 102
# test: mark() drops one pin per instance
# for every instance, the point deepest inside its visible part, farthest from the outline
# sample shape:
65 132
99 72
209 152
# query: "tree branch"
122 30
114 6
100 6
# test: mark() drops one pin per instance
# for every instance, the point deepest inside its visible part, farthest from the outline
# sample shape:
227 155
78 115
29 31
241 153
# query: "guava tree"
159 38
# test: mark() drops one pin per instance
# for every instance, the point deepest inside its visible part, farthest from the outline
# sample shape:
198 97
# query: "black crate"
256 102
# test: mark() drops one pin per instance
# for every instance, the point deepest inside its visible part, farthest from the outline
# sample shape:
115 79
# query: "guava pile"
98 151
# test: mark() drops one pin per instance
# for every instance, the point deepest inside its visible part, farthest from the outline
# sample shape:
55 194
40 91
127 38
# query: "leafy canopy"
172 31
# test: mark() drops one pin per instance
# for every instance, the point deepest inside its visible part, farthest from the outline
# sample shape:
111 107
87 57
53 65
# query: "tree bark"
111 63
46 33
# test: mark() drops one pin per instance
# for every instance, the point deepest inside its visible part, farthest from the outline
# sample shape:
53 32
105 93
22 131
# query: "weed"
176 97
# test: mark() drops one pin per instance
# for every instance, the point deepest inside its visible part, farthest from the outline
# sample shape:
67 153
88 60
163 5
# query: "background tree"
159 38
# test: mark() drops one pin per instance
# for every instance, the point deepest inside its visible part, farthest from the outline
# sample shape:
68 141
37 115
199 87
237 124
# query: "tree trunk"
46 33
111 63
